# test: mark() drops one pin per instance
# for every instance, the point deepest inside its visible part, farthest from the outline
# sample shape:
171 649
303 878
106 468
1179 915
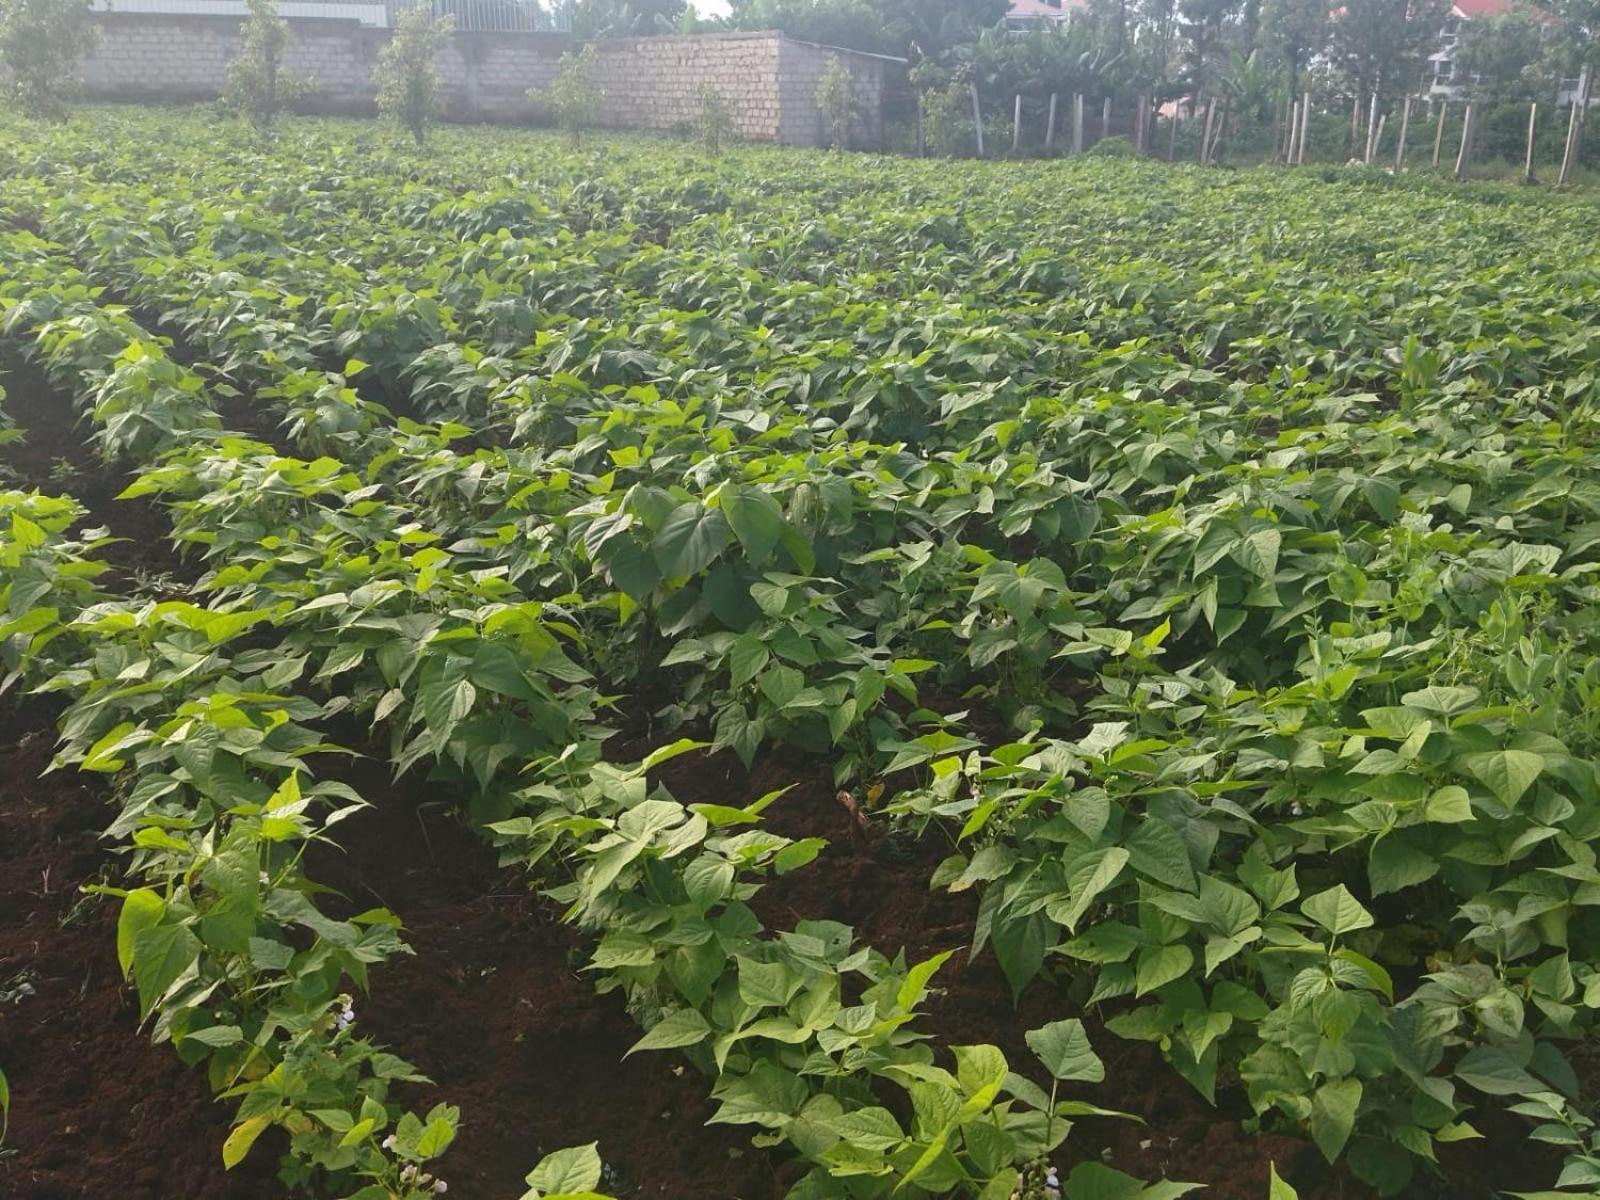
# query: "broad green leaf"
567 1172
1160 965
690 540
1277 1188
1492 1069
1506 773
1333 1115
757 522
1063 1047
1336 910
141 909
161 953
1257 552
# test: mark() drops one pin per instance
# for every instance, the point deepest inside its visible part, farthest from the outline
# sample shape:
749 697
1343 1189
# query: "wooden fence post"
1355 127
922 137
1464 155
1172 135
1205 133
1376 137
1438 129
1533 118
977 117
1077 123
1050 128
1372 129
1405 128
1105 118
1571 151
1305 125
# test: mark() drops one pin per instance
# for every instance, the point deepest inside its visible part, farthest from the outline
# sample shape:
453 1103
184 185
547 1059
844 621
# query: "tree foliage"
914 28
41 42
627 18
1382 45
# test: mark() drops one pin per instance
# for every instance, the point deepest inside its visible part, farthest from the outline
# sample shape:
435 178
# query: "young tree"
253 74
836 97
576 96
408 84
41 42
713 121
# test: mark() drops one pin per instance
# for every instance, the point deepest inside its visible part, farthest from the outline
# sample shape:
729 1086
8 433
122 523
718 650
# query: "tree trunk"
1438 130
1050 128
1405 128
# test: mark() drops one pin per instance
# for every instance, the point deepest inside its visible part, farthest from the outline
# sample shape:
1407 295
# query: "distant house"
1039 14
1445 79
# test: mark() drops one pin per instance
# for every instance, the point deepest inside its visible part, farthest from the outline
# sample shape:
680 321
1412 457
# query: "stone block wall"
770 82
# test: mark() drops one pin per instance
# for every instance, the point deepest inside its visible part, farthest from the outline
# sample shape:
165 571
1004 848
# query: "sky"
710 8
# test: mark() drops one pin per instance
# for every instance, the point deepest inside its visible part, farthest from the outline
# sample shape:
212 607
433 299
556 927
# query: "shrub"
575 95
1114 147
836 97
714 118
40 44
947 120
253 75
408 84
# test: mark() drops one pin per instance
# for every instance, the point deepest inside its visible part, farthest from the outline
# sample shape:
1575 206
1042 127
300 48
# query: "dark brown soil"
97 1110
56 457
495 1010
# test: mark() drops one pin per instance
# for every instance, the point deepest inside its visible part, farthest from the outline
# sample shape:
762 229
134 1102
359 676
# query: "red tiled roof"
1482 8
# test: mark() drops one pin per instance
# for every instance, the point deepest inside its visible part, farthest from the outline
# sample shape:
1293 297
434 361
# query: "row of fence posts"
1290 141
1144 114
1290 136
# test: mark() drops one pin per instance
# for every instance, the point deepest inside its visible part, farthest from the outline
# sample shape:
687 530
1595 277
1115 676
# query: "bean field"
561 672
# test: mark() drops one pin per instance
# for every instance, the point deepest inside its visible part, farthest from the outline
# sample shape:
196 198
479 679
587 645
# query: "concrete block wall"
655 82
769 82
800 70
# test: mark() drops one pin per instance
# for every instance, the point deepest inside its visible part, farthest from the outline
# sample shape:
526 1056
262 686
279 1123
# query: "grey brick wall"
770 82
